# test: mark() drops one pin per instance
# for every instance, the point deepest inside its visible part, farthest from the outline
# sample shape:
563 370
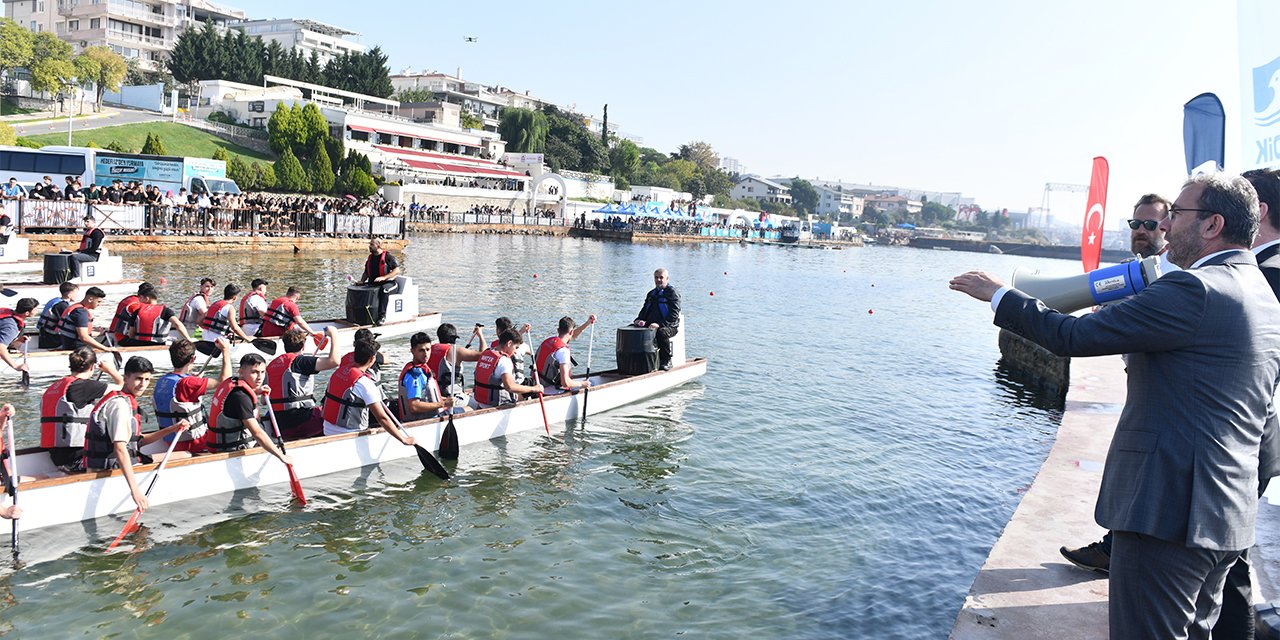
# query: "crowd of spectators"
499 184
666 226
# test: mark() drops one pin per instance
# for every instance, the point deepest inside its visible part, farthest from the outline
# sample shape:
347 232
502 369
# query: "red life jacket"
186 308
62 424
380 270
442 368
229 434
211 321
86 239
11 314
124 317
342 407
99 451
149 324
547 368
433 393
245 308
489 389
280 317
289 390
65 328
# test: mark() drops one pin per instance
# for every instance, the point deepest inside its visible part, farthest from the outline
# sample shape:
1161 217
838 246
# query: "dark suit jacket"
1269 456
649 311
1204 362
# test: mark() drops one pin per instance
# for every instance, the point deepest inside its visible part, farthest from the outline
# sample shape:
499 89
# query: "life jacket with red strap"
229 434
380 270
250 313
62 424
99 450
217 319
124 317
431 393
86 241
149 324
185 315
443 368
289 389
342 407
281 313
68 330
489 389
547 367
169 410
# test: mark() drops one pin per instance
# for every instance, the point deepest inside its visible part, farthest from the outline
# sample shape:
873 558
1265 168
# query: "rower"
65 407
178 393
446 355
12 511
194 308
419 394
495 377
554 362
349 359
90 248
120 322
220 321
52 313
353 395
380 270
233 418
114 438
12 323
505 324
253 308
77 321
283 314
150 322
292 382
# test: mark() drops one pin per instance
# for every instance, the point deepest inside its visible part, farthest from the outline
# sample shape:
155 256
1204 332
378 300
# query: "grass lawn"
178 139
12 109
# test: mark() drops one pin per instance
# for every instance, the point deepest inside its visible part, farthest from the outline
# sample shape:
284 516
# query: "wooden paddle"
294 484
545 423
12 483
132 524
449 439
586 391
429 461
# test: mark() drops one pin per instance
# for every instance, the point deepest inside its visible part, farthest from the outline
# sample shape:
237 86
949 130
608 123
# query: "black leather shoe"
1091 558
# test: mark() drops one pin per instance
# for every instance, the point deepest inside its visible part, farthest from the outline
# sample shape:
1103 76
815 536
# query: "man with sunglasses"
1179 489
1146 238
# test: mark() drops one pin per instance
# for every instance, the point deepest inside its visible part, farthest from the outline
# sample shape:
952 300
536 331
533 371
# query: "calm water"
838 473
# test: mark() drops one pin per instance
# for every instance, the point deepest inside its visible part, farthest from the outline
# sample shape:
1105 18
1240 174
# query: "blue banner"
1204 131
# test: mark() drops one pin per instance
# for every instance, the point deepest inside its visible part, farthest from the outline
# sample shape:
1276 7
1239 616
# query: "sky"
992 98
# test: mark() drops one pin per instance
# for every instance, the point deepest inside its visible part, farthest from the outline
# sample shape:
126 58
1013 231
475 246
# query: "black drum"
636 352
57 268
362 304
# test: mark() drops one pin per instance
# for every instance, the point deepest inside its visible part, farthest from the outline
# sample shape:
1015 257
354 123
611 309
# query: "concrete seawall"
124 245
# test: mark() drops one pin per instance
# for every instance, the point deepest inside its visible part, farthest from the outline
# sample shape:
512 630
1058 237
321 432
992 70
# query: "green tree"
524 130
314 73
624 159
471 121
272 58
116 146
15 45
362 184
320 170
935 213
264 176
678 173
51 68
154 146
240 171
289 174
221 154
282 128
415 95
7 134
311 128
102 67
804 195
701 154
717 182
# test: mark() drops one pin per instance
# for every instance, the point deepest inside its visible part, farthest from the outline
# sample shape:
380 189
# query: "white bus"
30 166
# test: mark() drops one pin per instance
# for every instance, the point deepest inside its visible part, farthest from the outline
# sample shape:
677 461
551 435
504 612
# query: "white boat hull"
84 497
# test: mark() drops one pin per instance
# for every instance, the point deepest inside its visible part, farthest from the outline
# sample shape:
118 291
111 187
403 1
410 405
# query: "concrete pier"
1026 589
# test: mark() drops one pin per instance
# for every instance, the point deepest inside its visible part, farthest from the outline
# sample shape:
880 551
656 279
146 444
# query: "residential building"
761 189
731 166
838 203
953 199
143 30
894 204
306 36
474 98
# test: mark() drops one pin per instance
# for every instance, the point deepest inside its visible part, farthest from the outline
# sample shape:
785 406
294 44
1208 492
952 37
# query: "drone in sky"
472 39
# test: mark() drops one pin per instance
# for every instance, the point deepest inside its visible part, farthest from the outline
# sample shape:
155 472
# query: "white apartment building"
731 165
761 189
326 40
474 98
142 30
838 203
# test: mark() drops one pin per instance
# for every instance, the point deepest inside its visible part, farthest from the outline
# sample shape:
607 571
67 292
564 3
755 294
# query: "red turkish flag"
1091 235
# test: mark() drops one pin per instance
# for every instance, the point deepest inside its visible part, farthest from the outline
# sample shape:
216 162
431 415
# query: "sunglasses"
1149 224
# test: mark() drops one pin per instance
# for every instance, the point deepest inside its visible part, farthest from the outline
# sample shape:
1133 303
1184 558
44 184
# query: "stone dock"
127 244
1026 589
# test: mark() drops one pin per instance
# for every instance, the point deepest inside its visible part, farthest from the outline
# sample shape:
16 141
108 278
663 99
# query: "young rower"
220 321
149 322
114 439
178 395
349 358
419 394
233 418
194 308
353 395
12 511
12 323
123 317
495 373
447 355
554 362
52 313
65 407
77 321
505 324
253 308
292 382
283 314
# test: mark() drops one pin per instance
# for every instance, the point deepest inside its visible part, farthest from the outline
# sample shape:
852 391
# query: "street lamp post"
71 87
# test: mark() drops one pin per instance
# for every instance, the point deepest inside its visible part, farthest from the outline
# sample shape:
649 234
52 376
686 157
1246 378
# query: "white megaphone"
1100 286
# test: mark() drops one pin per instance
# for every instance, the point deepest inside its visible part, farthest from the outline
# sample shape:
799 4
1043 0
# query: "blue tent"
906 225
608 208
627 210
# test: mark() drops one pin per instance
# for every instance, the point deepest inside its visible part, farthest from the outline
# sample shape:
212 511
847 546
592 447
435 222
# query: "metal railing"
681 228
494 218
61 216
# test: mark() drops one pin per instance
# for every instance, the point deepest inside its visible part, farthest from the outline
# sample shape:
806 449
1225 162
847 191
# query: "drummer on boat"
90 248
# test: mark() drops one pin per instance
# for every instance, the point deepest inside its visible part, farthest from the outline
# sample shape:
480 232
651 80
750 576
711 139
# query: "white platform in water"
17 249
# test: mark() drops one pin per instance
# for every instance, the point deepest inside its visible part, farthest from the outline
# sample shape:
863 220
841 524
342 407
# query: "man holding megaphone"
1179 490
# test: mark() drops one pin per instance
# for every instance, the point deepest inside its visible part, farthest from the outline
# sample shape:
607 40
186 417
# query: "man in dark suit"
1179 489
661 310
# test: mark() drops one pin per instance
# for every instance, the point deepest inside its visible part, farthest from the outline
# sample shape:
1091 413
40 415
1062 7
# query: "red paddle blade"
129 527
296 486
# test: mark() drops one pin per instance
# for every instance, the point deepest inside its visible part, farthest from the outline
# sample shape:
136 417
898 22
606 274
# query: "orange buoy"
871 311
713 293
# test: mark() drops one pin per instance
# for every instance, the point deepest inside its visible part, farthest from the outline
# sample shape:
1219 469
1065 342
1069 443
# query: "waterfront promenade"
1026 589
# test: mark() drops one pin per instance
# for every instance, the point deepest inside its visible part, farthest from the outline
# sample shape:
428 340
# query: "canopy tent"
627 210
906 225
608 208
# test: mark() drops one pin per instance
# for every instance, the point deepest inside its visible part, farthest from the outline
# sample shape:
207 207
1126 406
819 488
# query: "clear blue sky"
991 98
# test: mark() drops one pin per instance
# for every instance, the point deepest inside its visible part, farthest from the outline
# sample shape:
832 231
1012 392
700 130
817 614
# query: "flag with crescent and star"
1091 236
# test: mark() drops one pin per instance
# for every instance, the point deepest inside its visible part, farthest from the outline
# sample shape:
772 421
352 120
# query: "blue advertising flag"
1204 131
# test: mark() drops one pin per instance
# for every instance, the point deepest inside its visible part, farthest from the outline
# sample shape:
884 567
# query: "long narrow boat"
87 496
15 258
106 274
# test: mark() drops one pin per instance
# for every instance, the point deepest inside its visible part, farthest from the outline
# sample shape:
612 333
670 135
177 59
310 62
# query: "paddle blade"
26 380
266 346
430 463
129 527
296 486
449 441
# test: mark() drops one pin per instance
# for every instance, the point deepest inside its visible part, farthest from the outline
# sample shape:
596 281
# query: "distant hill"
179 140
